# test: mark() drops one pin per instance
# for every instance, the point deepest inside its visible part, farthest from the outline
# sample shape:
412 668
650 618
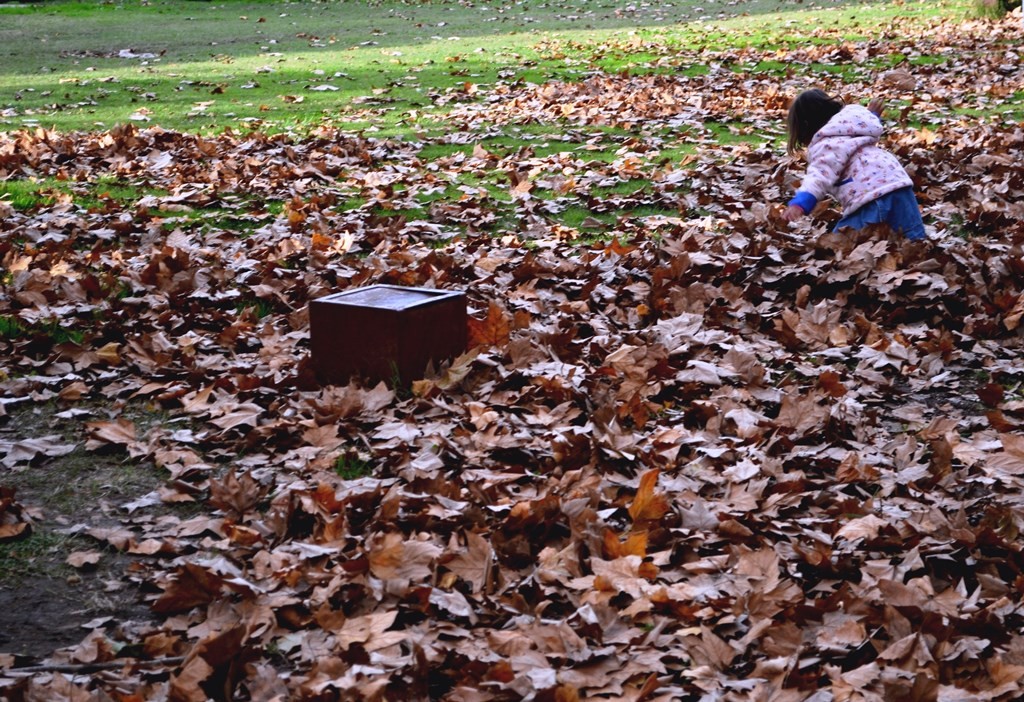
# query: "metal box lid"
388 297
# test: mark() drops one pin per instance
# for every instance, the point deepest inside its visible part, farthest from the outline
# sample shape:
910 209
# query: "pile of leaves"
949 66
703 456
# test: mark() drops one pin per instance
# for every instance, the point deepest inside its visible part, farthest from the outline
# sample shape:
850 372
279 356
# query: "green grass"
627 188
217 65
11 328
110 188
27 195
575 215
52 331
41 553
30 194
433 152
208 218
352 467
257 309
579 217
60 334
734 133
540 139
409 214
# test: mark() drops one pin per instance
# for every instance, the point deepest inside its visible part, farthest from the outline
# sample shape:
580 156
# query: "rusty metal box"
385 332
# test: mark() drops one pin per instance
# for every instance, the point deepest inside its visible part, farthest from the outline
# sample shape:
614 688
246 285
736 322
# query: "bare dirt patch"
45 601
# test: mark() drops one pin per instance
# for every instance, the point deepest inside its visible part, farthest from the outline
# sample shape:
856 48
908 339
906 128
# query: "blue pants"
898 209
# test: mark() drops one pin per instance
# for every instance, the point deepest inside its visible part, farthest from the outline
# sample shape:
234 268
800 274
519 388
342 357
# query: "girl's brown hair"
810 111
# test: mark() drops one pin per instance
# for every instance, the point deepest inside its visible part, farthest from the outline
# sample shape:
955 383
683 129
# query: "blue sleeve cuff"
805 201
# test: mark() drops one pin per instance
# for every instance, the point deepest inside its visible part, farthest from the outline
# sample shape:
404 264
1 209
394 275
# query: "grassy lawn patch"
379 68
28 194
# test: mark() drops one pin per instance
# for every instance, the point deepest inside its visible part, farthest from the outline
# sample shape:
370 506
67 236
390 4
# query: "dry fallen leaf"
494 330
649 504
83 559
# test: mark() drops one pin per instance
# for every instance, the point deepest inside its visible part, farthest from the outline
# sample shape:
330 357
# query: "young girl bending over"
844 161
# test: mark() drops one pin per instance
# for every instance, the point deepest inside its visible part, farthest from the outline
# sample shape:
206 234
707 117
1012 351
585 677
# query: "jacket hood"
851 121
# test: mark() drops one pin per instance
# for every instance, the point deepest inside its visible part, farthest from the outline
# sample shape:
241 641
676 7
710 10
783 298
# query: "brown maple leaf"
649 504
991 394
493 330
191 586
236 494
634 544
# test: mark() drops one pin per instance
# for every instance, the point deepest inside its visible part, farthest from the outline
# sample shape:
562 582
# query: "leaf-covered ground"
695 455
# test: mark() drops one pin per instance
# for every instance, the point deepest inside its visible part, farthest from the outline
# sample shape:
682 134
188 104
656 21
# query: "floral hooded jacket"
844 161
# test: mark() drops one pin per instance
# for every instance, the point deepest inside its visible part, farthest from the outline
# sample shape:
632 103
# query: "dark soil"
41 614
45 604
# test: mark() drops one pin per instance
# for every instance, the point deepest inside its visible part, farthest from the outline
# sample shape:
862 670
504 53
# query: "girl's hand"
793 213
876 105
